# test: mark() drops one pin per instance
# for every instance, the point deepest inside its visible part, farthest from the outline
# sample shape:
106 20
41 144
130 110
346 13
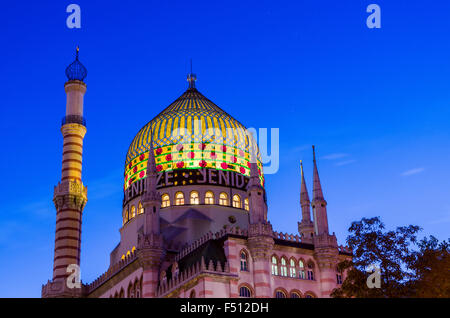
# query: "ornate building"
194 213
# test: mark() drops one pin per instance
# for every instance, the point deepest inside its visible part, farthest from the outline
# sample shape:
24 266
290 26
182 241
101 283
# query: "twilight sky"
375 102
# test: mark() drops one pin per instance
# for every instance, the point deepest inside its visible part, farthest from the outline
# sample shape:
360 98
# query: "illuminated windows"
179 198
301 270
140 208
125 216
246 205
195 198
274 265
209 197
133 212
223 199
237 201
165 201
283 269
292 268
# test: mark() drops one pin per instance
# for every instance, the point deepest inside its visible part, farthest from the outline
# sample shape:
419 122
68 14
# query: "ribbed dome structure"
76 70
191 133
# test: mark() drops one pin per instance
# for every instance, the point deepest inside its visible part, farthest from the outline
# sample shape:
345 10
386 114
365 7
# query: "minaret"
260 233
325 245
70 195
150 249
306 226
319 204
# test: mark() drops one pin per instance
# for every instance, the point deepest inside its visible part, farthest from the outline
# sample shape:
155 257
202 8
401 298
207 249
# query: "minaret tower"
150 249
325 245
306 226
260 233
319 204
70 195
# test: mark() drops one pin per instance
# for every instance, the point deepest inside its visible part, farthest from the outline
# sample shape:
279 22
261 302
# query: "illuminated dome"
191 133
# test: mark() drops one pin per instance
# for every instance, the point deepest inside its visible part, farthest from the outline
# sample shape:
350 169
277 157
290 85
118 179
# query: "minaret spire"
191 78
70 195
319 204
306 226
317 187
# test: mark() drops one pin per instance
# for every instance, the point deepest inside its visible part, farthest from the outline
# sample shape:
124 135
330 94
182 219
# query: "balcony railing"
73 119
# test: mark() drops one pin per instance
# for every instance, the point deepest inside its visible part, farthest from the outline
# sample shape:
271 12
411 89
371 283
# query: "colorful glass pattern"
191 133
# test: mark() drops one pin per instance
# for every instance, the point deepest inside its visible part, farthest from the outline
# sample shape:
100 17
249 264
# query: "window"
236 201
301 270
274 266
192 294
280 294
179 198
283 270
309 296
244 265
125 216
194 197
209 197
292 268
339 279
245 292
140 208
165 200
246 206
310 271
295 295
223 199
133 212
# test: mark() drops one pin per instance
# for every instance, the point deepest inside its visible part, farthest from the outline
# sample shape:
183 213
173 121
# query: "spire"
304 197
191 78
317 190
76 71
254 175
151 163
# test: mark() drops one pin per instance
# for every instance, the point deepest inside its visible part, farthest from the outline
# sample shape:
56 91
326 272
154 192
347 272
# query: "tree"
373 246
431 269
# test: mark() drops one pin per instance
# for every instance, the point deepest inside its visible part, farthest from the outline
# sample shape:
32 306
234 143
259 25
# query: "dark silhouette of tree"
404 271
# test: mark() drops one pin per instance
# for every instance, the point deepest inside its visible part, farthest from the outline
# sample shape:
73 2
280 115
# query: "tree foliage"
408 268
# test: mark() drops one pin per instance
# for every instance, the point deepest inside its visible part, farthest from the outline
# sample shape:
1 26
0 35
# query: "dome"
191 133
76 71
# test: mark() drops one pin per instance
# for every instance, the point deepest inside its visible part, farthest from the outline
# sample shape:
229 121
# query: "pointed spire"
317 189
304 197
151 163
191 78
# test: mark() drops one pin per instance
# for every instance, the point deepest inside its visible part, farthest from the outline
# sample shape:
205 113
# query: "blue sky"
375 102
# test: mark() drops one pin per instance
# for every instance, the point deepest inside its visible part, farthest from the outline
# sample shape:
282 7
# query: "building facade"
195 217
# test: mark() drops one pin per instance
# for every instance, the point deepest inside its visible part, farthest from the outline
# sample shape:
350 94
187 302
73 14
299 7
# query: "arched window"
280 294
133 212
194 197
125 216
274 265
165 200
310 271
179 198
209 197
246 206
295 295
140 208
309 296
338 276
244 261
133 249
283 270
245 292
192 294
237 201
130 291
122 293
223 199
292 271
301 270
